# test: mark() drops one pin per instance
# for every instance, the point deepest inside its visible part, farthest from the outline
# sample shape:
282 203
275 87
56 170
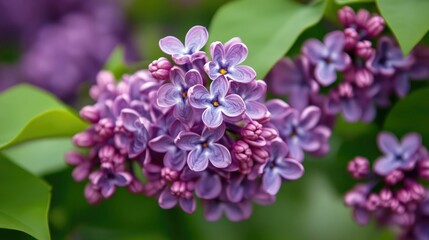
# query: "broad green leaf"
353 1
24 201
407 19
41 156
411 114
268 28
29 113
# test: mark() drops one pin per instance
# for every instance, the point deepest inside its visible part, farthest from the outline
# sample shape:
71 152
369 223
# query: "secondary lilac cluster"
197 129
59 43
371 65
393 193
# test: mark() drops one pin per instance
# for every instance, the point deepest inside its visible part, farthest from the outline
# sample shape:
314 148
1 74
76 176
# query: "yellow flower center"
184 94
216 103
223 71
204 144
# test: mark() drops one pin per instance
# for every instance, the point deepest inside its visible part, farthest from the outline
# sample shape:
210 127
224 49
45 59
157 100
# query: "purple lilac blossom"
396 197
89 29
190 139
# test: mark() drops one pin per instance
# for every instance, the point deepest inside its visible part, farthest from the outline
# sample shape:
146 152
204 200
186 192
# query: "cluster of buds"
392 193
372 67
197 129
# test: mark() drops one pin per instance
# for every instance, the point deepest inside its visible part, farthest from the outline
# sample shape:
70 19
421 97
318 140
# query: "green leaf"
116 62
42 156
411 114
407 19
29 113
353 1
24 201
269 29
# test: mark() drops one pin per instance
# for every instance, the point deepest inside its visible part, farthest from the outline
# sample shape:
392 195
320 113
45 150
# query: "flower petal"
171 45
244 74
193 77
187 140
290 169
351 110
314 50
183 112
212 69
188 205
217 52
167 200
411 143
131 120
386 164
236 212
213 134
325 73
175 159
212 210
236 54
219 156
256 110
233 105
199 97
309 117
198 160
271 181
122 179
295 149
177 76
388 143
196 38
219 87
334 42
208 186
168 95
279 149
212 117
161 143
278 108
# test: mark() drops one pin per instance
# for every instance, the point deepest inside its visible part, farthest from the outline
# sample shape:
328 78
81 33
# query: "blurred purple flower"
328 57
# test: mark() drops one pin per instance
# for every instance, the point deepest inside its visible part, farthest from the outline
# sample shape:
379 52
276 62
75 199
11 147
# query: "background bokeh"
61 44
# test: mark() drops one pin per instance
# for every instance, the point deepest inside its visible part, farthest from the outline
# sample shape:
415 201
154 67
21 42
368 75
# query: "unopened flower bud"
83 139
362 18
358 167
351 38
363 77
260 155
90 114
375 26
364 49
347 16
160 68
252 130
394 177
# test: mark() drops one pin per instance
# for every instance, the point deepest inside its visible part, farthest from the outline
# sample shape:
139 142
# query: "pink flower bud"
260 155
362 18
358 167
351 38
269 133
372 202
347 16
363 77
169 175
252 130
83 139
92 194
90 114
105 127
345 90
375 26
394 177
160 68
74 158
423 168
364 50
135 186
106 153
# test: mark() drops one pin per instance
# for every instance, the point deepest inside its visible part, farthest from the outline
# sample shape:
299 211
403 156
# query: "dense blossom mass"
393 193
197 129
371 65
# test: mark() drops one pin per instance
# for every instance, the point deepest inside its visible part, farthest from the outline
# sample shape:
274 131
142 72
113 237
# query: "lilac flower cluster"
372 67
393 193
61 43
197 129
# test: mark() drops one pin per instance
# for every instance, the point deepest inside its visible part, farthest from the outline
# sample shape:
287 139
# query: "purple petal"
131 120
233 41
233 106
177 76
325 73
341 61
196 38
351 110
167 200
188 205
107 189
310 142
384 165
183 112
193 77
212 117
188 140
208 186
256 110
217 52
161 143
236 54
122 179
295 149
309 118
244 74
171 45
175 160
219 156
168 95
219 87
235 212
402 84
271 182
212 69
213 134
361 216
279 149
212 210
198 160
290 169
278 108
199 97
314 50
334 41
388 143
235 190
411 143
